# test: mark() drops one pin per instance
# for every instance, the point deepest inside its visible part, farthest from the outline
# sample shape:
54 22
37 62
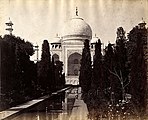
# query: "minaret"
76 11
9 26
36 48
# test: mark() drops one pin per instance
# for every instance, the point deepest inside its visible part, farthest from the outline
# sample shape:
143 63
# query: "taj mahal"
68 48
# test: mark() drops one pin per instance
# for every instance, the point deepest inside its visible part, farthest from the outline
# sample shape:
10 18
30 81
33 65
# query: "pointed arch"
56 57
74 64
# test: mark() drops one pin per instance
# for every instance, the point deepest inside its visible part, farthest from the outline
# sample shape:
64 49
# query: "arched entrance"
56 57
74 64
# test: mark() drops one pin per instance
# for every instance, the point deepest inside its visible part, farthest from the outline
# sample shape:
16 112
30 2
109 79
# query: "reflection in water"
64 106
73 105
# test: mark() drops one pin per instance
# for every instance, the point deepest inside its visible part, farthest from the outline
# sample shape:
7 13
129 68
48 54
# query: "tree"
137 64
59 77
16 73
86 68
120 68
44 68
97 79
53 82
0 70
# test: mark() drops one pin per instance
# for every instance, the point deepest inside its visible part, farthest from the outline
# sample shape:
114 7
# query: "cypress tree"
53 81
120 68
86 68
97 68
44 68
108 64
58 74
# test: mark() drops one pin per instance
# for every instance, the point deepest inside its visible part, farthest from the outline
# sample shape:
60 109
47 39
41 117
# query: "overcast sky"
36 20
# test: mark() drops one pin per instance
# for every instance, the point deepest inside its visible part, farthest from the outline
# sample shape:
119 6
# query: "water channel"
67 105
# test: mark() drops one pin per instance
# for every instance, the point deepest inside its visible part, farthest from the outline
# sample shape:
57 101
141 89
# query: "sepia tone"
73 60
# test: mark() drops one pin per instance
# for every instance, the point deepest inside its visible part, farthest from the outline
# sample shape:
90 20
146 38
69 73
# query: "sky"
37 20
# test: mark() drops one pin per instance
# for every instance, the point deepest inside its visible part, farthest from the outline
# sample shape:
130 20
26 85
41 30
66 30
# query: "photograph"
73 59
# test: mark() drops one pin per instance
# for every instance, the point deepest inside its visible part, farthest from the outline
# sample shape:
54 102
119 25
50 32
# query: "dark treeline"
21 78
50 76
115 85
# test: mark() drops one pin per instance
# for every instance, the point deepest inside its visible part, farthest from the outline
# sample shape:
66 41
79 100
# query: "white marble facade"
68 48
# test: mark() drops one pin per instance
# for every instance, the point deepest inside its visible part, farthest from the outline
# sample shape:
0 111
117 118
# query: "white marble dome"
76 28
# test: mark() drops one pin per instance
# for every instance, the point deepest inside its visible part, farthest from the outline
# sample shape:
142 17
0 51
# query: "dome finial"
142 24
76 11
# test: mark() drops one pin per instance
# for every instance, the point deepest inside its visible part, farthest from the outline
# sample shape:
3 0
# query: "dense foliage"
137 47
21 78
50 76
18 73
119 77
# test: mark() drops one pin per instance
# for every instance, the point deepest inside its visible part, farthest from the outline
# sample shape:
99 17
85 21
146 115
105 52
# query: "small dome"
9 23
94 39
57 39
142 22
77 28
